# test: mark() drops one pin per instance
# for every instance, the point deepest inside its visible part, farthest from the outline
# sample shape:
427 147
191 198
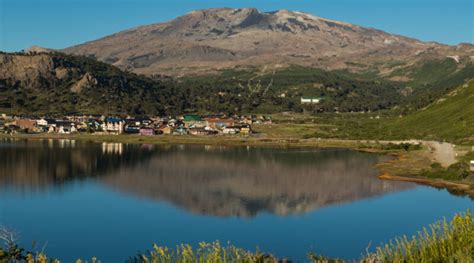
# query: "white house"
310 100
229 131
42 122
113 126
66 127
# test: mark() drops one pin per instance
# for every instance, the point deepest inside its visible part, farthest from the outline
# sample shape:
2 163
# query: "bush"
456 172
401 146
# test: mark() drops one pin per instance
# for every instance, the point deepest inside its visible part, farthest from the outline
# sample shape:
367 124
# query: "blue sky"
62 23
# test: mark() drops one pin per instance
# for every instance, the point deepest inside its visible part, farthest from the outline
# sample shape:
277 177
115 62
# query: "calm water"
114 200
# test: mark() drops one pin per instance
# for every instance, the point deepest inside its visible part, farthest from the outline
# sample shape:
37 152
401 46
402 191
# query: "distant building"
42 122
201 131
147 131
26 124
165 129
217 123
244 129
65 127
133 122
94 125
180 131
113 125
310 100
132 129
193 121
229 130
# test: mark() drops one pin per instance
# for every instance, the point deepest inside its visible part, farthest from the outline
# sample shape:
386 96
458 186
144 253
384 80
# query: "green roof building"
192 118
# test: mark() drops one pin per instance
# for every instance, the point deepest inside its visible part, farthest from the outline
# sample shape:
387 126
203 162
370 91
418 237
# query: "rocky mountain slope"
228 38
58 84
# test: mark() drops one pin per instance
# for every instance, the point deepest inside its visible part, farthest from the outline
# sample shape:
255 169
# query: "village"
147 126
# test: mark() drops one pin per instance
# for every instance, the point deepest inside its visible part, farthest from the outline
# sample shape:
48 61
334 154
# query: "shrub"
456 172
401 146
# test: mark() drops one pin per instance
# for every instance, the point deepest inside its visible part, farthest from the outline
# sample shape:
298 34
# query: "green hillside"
257 91
450 118
271 91
59 84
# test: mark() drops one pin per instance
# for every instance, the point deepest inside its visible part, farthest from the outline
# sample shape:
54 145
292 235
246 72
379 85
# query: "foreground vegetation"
441 242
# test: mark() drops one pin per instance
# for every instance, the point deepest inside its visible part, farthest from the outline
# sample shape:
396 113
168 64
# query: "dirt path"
443 152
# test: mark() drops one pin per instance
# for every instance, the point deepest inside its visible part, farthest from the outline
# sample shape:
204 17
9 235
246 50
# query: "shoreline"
403 169
204 140
406 170
452 187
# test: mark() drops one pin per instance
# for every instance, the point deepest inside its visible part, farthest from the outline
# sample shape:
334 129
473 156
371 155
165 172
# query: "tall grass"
206 252
440 242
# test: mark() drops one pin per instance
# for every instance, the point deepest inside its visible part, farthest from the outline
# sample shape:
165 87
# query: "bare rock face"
56 83
225 38
87 81
62 73
26 69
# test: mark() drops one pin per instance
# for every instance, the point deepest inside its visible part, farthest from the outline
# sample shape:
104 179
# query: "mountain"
235 61
57 84
206 40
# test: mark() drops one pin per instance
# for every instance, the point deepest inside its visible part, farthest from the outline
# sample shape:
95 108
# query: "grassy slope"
451 118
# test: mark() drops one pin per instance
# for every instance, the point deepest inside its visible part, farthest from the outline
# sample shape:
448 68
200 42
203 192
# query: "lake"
111 200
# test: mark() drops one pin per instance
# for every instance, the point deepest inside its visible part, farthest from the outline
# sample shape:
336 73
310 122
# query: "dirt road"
443 152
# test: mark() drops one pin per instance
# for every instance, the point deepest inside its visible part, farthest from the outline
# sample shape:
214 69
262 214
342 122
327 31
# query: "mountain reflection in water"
210 180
